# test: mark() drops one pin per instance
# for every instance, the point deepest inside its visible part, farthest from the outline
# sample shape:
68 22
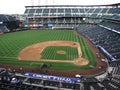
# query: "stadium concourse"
100 24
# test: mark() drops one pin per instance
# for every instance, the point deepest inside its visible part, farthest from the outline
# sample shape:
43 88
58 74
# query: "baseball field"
62 49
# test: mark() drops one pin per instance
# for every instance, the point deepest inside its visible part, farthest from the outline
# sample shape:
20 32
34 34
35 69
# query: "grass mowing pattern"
51 53
12 43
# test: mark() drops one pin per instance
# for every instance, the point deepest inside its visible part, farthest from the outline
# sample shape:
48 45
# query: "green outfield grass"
12 43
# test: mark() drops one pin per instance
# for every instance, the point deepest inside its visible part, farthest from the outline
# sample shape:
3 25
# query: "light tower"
32 2
39 2
46 2
53 2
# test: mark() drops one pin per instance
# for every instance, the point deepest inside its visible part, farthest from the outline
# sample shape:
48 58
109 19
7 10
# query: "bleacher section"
6 18
3 29
17 81
103 37
68 14
112 25
70 11
5 21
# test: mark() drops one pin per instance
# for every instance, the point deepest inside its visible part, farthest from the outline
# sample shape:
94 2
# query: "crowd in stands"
5 21
112 25
3 28
103 37
71 14
16 80
111 42
99 12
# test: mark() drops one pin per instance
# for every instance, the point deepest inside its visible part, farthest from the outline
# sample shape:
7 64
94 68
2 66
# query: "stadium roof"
18 6
116 5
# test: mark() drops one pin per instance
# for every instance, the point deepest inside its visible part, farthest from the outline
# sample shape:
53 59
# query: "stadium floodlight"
84 18
39 2
46 2
53 2
1 23
32 2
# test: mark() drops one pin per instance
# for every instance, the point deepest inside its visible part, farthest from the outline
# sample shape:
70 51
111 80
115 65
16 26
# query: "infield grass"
51 53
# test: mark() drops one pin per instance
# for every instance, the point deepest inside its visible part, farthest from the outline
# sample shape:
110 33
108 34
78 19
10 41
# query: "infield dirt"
33 52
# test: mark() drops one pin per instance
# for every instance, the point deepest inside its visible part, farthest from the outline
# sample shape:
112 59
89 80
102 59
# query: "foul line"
9 57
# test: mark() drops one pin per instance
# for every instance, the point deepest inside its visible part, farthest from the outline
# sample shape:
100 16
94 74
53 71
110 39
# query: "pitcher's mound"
61 52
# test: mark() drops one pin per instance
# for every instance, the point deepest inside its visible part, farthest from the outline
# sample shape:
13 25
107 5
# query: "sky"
18 6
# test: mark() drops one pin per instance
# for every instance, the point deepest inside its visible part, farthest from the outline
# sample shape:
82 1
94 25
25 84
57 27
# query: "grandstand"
99 23
68 15
7 23
101 36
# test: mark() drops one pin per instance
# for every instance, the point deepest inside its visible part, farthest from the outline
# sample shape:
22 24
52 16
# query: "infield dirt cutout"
34 51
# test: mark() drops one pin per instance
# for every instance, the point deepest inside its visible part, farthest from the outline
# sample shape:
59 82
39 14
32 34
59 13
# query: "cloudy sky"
18 6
